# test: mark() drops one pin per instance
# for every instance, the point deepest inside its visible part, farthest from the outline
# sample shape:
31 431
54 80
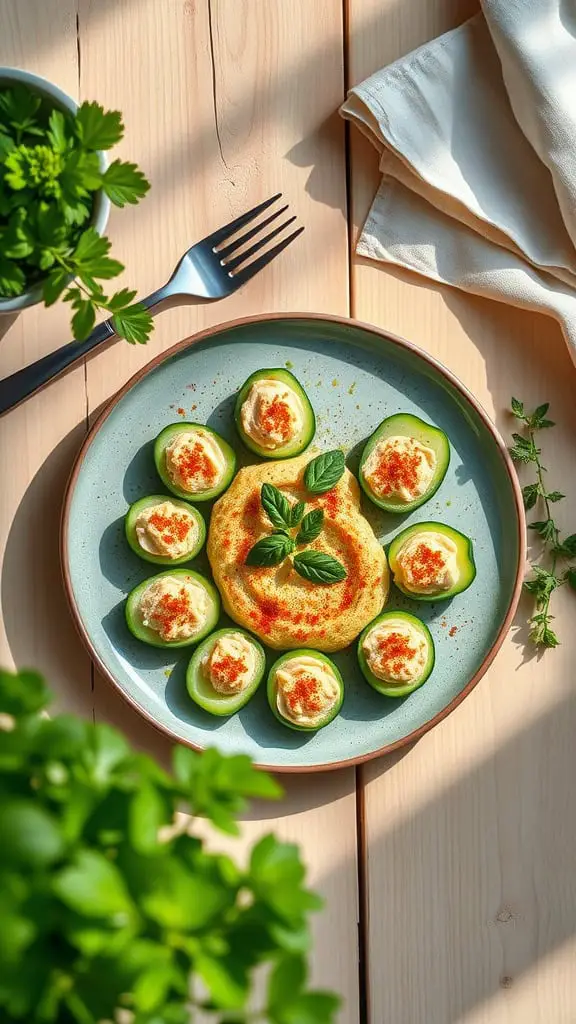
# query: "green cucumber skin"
453 534
422 428
271 689
229 705
162 442
157 499
141 632
379 685
291 451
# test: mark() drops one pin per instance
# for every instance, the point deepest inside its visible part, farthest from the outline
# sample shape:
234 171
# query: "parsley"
49 175
113 903
543 581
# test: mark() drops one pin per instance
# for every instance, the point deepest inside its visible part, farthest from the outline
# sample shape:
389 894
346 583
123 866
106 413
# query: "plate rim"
342 321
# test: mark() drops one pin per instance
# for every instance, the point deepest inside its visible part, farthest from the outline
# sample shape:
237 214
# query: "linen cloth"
476 132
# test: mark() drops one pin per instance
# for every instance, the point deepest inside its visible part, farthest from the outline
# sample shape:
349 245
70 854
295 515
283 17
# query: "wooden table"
449 869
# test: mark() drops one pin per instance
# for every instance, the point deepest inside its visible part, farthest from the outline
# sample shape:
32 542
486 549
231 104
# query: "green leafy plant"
315 566
108 900
49 174
545 578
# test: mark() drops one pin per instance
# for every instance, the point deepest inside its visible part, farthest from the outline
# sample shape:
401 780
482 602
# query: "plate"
355 375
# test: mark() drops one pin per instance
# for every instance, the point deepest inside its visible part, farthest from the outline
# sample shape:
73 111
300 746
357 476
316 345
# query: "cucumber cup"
169 435
405 426
310 657
390 688
149 502
295 445
201 689
134 618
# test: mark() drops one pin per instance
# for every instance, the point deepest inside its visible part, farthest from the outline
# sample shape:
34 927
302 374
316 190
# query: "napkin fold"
476 132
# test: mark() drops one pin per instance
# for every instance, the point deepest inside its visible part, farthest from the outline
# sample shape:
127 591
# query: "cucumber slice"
387 688
299 443
159 499
404 425
465 559
150 636
165 438
204 694
272 689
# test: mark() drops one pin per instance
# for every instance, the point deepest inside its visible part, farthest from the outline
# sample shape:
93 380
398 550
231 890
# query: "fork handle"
20 385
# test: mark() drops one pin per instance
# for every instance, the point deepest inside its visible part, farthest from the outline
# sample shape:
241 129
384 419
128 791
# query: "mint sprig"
317 566
544 579
49 176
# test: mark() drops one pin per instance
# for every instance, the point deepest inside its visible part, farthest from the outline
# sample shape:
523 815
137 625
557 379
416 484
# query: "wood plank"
471 892
227 103
38 440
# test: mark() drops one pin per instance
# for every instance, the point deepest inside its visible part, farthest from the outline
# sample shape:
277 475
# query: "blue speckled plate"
355 376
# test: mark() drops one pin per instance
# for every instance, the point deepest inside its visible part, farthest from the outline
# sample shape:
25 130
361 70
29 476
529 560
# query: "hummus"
395 651
279 606
427 563
306 690
174 607
272 414
166 529
230 665
194 461
400 468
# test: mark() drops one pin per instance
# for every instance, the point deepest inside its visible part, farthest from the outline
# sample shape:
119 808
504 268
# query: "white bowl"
101 209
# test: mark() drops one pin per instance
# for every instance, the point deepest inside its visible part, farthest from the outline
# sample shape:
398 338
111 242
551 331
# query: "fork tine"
224 253
223 233
258 245
248 272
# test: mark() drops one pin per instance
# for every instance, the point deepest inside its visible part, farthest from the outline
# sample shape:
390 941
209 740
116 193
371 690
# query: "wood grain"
470 886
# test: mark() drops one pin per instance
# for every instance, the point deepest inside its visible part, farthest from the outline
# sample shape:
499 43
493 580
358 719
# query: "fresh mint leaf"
317 567
530 495
270 550
554 496
96 128
324 472
124 183
544 528
296 513
133 323
275 505
285 982
12 280
30 835
517 408
311 527
538 415
148 813
93 886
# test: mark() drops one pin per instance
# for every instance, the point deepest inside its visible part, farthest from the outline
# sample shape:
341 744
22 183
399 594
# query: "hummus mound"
282 609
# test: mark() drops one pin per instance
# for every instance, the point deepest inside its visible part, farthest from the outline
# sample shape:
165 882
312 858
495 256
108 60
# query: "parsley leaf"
133 323
12 280
96 128
124 183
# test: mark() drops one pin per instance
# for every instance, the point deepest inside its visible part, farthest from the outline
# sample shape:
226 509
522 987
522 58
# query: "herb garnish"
544 580
324 472
315 566
319 567
49 174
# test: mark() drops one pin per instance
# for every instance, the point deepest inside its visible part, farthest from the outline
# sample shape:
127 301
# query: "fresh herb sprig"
49 175
545 579
321 475
116 905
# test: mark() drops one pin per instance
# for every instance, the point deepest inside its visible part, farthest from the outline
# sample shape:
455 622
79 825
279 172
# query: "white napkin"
477 136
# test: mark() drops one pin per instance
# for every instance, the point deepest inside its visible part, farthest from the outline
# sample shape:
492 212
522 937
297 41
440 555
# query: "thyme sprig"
551 571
